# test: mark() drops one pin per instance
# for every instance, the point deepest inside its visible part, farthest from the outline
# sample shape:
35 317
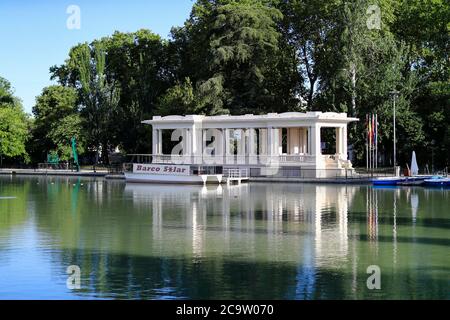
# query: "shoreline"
41 172
108 176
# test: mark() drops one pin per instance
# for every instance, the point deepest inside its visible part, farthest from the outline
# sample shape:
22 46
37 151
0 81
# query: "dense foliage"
56 121
14 124
259 56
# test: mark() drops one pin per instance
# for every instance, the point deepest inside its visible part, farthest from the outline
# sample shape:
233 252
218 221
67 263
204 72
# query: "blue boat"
388 181
414 181
437 182
400 181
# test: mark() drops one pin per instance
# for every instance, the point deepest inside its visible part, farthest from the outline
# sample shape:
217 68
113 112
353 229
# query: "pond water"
253 241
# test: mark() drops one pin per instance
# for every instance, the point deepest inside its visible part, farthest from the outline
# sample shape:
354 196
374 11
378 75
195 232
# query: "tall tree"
139 63
137 71
99 97
56 121
257 56
349 65
309 26
14 124
230 51
423 26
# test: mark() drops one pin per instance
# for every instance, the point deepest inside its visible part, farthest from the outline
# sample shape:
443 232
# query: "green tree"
69 127
309 28
136 72
13 124
139 61
231 52
179 99
258 56
424 27
6 94
13 132
56 121
99 97
348 67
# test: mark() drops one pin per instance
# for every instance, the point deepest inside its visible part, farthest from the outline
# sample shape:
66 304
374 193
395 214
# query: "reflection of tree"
13 208
254 241
385 234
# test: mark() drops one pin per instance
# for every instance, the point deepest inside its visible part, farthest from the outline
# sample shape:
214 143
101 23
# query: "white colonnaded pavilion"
286 144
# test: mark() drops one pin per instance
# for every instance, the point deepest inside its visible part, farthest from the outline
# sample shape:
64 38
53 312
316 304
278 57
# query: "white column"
303 140
251 146
274 141
294 141
186 141
263 137
300 142
315 141
188 135
227 143
155 141
316 151
160 142
241 146
338 141
186 151
197 144
200 144
344 142
191 140
218 143
279 150
269 141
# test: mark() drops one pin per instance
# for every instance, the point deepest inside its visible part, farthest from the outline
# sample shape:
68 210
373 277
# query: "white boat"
174 173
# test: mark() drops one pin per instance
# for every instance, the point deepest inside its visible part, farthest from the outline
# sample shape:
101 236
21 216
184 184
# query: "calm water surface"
254 241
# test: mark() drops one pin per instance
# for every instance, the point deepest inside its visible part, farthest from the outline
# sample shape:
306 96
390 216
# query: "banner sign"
176 170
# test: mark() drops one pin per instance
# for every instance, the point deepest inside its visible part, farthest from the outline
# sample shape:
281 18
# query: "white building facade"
283 145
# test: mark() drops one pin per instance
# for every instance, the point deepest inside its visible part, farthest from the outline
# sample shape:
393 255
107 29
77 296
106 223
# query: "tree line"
250 56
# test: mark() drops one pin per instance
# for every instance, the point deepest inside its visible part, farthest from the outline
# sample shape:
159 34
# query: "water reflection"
414 205
295 241
318 212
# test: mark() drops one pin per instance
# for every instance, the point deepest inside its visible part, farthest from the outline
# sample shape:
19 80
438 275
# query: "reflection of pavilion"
231 218
323 209
301 224
192 202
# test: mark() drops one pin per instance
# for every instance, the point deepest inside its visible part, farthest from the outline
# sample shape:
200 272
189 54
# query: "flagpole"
376 141
370 143
373 141
367 142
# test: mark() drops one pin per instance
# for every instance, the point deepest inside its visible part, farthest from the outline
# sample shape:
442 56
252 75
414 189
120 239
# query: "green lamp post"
75 154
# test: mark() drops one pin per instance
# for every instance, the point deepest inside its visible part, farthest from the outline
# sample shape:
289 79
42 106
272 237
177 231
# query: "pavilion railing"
221 159
236 172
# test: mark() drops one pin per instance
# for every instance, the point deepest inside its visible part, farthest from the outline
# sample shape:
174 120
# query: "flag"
376 129
373 130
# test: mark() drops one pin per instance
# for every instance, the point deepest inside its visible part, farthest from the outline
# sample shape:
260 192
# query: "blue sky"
34 35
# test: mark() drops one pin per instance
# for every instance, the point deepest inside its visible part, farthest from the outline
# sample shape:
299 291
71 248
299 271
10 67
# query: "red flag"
373 129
